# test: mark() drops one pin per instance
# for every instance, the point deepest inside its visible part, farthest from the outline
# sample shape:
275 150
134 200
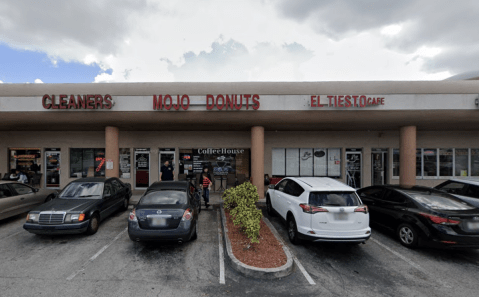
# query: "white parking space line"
305 273
96 255
222 257
16 233
410 262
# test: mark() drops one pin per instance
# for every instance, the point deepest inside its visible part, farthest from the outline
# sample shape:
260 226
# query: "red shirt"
206 182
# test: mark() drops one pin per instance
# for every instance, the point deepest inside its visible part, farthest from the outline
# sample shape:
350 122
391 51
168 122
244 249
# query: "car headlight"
74 217
33 217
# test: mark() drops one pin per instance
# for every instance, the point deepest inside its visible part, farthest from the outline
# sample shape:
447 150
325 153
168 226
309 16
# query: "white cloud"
38 81
217 40
1 82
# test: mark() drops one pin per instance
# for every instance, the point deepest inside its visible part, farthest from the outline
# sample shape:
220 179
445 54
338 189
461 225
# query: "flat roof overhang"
431 120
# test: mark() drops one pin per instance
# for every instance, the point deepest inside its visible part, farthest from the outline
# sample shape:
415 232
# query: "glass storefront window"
306 162
25 159
461 159
418 162
445 162
474 162
82 160
395 162
430 162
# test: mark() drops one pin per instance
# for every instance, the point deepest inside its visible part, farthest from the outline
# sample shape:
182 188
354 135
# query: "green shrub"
240 201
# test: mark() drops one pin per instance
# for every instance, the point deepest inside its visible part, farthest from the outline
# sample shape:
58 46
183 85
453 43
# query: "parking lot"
110 264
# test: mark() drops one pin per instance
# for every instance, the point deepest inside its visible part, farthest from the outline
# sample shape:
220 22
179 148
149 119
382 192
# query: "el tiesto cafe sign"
218 102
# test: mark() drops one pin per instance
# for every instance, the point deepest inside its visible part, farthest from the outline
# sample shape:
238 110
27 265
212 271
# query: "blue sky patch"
21 66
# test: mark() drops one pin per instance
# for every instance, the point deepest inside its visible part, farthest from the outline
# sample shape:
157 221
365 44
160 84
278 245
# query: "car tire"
125 204
49 198
292 230
195 235
93 225
407 235
269 206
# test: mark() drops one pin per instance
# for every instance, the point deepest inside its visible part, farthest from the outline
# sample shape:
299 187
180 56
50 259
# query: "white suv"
319 209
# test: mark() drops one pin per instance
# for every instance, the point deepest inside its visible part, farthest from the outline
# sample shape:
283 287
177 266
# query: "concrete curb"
255 272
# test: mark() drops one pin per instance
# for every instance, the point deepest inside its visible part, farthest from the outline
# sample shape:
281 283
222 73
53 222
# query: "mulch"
268 253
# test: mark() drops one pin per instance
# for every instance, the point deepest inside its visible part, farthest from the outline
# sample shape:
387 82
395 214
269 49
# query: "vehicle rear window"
333 199
164 197
440 202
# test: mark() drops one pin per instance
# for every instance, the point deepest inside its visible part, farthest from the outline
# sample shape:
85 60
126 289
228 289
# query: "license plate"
473 225
340 216
158 222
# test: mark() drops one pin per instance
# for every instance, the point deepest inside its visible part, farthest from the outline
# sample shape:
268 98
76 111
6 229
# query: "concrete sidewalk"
215 198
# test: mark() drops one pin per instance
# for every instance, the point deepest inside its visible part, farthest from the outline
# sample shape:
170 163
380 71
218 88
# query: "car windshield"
439 202
82 190
164 197
333 199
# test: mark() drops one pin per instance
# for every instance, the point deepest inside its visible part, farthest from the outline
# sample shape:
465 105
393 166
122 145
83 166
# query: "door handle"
22 198
289 202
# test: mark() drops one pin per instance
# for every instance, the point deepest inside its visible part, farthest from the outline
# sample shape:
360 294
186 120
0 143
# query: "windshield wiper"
88 195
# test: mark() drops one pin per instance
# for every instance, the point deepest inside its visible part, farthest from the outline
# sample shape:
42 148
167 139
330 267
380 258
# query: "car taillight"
312 209
362 208
133 216
440 220
187 215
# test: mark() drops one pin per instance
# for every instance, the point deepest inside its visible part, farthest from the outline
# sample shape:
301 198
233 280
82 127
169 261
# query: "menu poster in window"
320 162
125 165
143 161
279 162
218 163
306 162
292 162
334 162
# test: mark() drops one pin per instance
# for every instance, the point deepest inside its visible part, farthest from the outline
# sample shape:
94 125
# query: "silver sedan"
17 198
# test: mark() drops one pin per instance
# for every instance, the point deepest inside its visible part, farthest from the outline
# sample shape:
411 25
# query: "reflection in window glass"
418 162
395 162
445 162
461 161
430 162
474 162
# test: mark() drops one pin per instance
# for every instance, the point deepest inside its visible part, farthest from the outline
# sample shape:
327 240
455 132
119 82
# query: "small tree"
240 201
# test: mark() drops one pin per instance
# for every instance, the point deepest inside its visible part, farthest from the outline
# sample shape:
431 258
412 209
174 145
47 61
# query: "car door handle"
289 202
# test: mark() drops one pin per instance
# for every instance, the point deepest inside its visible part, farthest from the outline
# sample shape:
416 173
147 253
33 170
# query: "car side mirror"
107 196
35 190
271 187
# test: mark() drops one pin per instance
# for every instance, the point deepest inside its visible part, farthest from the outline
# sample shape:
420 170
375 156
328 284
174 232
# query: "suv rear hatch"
341 211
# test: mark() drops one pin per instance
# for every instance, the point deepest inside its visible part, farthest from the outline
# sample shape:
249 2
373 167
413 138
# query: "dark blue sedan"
168 211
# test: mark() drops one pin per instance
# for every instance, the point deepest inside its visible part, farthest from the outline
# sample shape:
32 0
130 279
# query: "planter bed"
268 253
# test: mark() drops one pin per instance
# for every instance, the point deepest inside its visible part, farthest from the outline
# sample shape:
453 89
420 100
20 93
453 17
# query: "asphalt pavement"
110 264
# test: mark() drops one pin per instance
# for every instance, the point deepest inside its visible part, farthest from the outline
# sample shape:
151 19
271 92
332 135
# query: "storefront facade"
361 133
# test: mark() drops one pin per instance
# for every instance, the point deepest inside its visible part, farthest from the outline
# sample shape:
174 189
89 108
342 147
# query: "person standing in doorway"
206 189
208 175
22 177
167 172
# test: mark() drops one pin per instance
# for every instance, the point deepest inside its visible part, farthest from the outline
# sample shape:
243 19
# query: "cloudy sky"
56 41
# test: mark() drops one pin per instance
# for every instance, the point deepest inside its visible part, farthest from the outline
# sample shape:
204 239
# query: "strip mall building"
361 133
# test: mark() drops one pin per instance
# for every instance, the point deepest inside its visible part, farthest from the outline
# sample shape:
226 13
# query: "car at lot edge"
466 189
319 209
17 198
423 216
167 211
80 207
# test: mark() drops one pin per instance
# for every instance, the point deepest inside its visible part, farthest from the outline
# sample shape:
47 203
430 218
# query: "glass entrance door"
354 167
52 168
142 168
379 166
